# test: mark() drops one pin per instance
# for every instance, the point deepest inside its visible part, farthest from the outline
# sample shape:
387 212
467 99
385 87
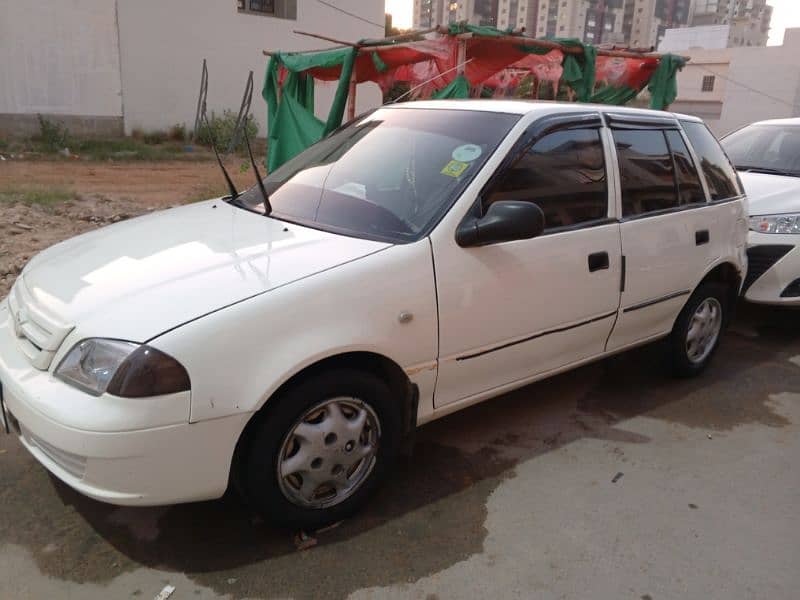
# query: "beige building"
108 66
731 87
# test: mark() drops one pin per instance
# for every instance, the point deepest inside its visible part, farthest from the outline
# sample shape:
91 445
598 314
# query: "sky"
786 14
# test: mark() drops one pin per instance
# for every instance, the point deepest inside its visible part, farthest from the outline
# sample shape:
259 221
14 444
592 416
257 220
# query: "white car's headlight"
122 368
775 223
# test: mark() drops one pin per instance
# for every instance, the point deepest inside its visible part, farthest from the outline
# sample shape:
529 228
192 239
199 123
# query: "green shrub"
153 138
177 133
223 129
54 136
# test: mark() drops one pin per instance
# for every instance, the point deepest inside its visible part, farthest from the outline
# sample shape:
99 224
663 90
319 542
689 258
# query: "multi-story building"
503 14
748 19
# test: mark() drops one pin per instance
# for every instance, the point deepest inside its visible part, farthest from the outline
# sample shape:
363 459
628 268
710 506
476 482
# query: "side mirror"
505 221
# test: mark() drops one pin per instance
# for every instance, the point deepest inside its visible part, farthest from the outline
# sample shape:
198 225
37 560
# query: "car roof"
790 121
542 107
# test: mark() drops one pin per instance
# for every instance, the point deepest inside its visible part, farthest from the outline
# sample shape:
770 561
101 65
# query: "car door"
665 227
513 310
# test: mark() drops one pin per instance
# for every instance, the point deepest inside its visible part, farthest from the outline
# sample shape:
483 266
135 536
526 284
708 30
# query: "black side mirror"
505 221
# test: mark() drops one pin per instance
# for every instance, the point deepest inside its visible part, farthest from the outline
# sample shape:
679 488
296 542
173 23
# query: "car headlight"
99 366
775 223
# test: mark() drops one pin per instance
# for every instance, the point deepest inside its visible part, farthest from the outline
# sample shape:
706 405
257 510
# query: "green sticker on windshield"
454 168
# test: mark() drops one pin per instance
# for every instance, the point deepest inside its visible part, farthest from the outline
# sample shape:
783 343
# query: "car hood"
771 194
136 279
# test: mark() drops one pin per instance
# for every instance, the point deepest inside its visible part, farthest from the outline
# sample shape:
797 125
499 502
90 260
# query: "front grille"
38 334
73 464
760 259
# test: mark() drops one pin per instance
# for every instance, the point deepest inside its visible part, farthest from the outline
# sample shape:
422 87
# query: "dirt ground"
103 193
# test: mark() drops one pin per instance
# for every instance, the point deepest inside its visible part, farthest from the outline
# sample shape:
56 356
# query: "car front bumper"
774 269
122 451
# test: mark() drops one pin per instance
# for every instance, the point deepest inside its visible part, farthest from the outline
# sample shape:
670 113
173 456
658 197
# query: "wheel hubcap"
704 328
329 453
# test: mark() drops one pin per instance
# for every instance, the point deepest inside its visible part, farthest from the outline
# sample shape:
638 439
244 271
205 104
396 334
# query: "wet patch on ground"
431 513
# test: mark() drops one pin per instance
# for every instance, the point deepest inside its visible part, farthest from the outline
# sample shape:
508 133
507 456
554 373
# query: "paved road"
613 481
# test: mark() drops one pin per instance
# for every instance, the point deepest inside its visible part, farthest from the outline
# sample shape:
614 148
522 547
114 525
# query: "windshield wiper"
767 170
264 195
231 187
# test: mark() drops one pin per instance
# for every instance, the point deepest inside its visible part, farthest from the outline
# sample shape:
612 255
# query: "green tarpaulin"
458 88
292 126
663 85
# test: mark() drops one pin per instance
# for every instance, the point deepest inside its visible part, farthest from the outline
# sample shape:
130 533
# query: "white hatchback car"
425 257
767 155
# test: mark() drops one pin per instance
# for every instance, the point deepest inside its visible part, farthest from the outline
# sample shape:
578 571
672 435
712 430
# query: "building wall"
751 84
61 60
163 44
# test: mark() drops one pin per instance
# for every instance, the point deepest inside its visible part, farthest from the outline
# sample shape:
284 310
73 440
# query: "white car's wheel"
322 448
696 334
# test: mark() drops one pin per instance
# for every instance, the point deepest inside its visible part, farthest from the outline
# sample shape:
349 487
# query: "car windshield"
390 175
765 148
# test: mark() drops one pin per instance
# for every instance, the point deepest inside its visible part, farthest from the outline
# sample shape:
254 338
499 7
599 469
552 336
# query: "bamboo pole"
327 39
351 97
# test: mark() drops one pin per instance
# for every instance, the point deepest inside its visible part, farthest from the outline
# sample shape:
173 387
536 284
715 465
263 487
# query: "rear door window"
690 189
646 172
723 183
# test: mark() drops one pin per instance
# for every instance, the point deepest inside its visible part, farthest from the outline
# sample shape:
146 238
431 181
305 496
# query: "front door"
513 310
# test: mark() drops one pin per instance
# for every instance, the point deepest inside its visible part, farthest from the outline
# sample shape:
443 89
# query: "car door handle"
701 237
598 261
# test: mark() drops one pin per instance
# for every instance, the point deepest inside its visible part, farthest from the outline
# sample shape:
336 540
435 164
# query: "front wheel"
696 334
322 448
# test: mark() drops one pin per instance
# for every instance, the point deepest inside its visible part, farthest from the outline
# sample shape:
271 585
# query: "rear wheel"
322 448
696 334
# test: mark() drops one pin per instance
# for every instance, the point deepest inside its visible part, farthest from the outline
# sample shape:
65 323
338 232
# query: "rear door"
666 226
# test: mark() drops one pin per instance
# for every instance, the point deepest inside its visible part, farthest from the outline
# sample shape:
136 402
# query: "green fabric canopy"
292 126
663 85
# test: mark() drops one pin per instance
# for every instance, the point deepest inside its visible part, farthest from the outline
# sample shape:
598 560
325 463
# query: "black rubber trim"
665 211
537 335
622 274
656 301
624 121
579 226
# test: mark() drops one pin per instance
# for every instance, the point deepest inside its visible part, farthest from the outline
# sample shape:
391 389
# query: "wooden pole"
327 39
351 97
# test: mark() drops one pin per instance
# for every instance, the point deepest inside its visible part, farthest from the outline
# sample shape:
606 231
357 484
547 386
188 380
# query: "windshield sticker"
454 168
467 153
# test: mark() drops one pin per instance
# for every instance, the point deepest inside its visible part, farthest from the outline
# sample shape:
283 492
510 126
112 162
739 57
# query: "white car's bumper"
122 451
773 275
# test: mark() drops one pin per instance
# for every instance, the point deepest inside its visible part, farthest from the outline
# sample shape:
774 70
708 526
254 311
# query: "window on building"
283 9
564 173
646 171
708 83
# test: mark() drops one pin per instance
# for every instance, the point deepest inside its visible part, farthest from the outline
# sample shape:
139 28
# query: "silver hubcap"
704 329
329 453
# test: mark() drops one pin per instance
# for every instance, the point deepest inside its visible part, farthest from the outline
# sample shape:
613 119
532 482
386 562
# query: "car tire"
697 331
343 425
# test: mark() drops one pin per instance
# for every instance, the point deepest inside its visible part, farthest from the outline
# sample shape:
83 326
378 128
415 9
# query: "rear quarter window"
721 177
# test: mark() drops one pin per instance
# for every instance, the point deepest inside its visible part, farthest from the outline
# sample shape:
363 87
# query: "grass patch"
44 196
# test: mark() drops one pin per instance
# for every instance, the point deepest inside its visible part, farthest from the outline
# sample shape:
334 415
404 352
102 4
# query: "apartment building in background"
635 23
748 20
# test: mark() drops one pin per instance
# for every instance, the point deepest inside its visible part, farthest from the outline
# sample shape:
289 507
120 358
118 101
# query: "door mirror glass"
505 221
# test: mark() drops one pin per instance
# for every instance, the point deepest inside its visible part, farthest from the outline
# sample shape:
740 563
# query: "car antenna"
264 195
231 187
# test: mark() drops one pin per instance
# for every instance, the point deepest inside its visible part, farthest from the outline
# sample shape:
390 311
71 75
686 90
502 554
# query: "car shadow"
434 503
